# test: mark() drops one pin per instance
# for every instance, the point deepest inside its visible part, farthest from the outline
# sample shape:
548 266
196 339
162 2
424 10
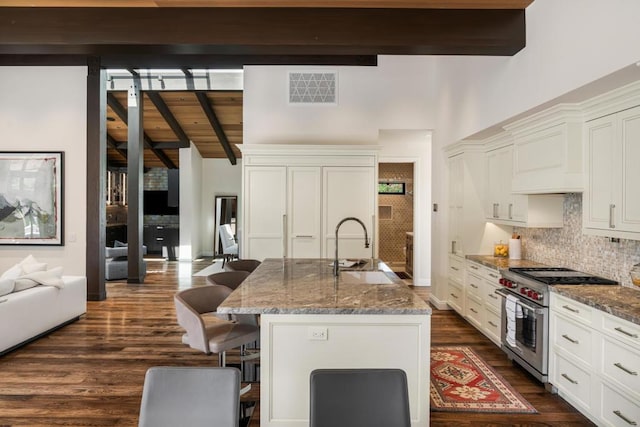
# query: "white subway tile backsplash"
568 247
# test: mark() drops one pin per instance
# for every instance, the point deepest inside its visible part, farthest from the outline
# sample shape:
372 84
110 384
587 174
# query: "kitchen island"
365 318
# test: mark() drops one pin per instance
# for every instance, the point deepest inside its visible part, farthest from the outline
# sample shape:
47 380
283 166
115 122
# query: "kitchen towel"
515 248
511 309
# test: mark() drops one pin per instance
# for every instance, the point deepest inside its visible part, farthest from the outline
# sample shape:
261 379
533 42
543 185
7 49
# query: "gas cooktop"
561 276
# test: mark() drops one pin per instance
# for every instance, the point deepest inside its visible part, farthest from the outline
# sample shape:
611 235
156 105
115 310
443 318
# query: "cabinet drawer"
572 309
491 275
474 268
572 380
617 409
492 325
456 268
454 297
575 339
491 298
621 365
474 286
624 331
475 312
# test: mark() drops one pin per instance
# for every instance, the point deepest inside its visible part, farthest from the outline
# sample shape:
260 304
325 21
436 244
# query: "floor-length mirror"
226 209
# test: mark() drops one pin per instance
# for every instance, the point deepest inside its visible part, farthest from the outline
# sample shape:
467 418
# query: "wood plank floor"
90 373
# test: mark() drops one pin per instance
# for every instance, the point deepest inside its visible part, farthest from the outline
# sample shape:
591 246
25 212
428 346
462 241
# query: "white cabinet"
294 196
594 361
455 284
612 199
456 203
264 192
484 308
348 192
521 210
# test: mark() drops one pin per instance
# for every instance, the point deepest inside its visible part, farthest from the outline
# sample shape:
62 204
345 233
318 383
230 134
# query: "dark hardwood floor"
90 373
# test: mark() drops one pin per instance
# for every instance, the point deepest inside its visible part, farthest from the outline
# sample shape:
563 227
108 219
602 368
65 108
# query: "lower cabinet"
484 307
594 362
455 284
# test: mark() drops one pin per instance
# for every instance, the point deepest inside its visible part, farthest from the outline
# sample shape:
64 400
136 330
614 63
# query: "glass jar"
501 249
635 274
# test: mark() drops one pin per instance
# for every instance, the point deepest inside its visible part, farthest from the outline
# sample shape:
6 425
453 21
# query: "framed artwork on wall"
31 198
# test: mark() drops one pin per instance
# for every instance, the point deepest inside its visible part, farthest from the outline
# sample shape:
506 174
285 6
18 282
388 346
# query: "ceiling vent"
312 88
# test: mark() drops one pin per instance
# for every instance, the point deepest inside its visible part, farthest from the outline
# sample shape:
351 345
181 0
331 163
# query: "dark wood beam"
123 115
215 124
96 180
168 117
116 146
169 145
261 31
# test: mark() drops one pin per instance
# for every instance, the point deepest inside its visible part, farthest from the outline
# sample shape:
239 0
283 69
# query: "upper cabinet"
612 199
547 152
502 205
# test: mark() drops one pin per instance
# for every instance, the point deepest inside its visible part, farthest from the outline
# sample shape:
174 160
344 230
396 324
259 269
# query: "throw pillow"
23 283
51 277
32 268
6 286
12 273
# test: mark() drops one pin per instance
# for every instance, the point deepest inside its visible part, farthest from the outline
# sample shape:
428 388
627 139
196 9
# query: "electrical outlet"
317 333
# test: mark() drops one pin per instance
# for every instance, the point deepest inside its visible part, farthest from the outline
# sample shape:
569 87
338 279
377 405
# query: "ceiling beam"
116 146
168 116
166 145
401 4
215 124
260 31
122 114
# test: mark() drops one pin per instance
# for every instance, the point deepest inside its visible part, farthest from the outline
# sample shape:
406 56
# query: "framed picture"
31 198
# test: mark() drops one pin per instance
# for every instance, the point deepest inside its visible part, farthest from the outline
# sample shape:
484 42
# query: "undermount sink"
365 277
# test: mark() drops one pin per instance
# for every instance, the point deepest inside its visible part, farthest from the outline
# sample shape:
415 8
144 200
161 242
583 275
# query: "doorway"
395 216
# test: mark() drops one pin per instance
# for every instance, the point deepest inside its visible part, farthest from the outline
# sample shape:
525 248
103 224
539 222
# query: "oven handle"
536 310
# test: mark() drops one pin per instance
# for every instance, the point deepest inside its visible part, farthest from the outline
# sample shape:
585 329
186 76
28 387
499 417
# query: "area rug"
462 382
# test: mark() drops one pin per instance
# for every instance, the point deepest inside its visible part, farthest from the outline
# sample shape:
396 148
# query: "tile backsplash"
568 247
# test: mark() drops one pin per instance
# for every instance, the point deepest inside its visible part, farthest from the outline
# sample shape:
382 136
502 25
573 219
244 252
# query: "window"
391 188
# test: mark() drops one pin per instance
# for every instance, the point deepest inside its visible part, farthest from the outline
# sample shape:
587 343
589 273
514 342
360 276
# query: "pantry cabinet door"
628 214
303 213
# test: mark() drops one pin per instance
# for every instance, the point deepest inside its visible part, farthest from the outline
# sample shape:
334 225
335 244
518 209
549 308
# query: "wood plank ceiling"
182 34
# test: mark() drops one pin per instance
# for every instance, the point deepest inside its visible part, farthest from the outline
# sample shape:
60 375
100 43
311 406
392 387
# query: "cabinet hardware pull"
471 309
473 286
510 210
611 208
306 236
495 210
492 296
493 324
454 295
454 268
159 239
453 246
573 310
285 236
627 370
568 378
629 334
493 275
473 267
627 420
571 340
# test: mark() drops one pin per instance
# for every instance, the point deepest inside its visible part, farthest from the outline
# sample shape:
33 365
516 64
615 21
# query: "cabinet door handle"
571 340
492 296
573 310
472 309
473 286
455 269
454 295
473 267
285 236
629 334
304 236
493 275
568 378
611 208
627 370
627 420
159 239
510 210
495 209
492 324
453 246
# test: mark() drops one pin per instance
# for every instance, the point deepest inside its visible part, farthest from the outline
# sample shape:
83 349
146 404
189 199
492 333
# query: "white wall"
44 109
190 203
394 95
219 178
414 146
570 44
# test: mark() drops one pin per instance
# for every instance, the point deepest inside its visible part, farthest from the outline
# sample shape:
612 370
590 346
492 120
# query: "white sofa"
33 312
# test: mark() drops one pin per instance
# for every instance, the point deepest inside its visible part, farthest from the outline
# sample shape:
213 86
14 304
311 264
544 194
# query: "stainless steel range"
525 312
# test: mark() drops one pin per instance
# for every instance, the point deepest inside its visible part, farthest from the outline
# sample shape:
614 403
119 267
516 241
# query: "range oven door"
525 333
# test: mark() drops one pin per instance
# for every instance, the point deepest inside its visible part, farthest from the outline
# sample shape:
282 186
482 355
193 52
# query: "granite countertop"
307 286
620 301
501 263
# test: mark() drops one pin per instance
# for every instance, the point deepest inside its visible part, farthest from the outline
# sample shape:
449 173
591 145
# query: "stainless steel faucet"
336 264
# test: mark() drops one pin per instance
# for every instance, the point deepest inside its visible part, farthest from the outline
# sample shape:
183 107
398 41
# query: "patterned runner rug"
461 381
